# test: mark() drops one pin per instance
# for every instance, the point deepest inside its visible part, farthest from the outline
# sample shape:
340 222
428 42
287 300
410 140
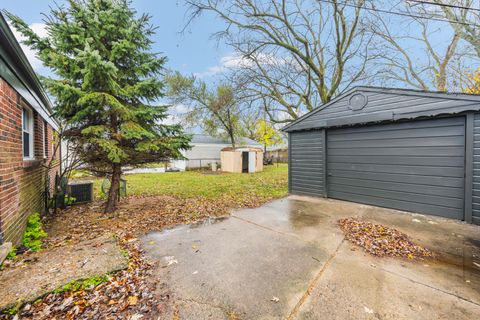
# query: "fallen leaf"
132 300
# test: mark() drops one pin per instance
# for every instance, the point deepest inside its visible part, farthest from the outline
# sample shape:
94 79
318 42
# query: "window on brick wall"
45 139
27 137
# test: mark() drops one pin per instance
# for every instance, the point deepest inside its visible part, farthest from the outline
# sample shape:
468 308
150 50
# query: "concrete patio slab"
205 268
356 286
292 250
50 269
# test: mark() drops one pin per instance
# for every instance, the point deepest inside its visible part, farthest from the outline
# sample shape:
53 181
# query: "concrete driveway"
288 260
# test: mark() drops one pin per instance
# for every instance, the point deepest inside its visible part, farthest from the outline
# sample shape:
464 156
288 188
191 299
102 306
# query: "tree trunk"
232 139
114 192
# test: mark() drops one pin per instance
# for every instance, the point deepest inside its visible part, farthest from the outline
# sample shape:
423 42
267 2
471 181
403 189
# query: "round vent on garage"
357 102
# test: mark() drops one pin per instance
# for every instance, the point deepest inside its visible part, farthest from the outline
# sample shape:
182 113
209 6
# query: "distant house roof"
278 147
206 139
242 149
17 71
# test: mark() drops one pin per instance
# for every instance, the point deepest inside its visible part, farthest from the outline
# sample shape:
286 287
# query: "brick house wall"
21 181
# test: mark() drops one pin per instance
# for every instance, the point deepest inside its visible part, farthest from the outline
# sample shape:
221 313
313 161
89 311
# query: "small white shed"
206 150
241 160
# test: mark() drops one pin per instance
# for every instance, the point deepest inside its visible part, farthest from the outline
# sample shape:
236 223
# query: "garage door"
414 166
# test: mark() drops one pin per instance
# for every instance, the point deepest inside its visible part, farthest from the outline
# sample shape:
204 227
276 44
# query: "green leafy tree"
216 110
105 85
266 134
473 83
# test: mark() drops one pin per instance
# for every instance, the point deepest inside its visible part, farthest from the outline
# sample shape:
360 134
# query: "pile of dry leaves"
126 295
380 240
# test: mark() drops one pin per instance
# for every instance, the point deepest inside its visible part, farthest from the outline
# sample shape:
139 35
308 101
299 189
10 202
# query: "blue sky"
193 51
196 52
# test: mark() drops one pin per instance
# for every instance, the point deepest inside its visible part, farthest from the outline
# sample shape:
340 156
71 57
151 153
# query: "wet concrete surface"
292 250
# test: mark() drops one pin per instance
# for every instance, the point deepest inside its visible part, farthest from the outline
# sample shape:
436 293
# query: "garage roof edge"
433 94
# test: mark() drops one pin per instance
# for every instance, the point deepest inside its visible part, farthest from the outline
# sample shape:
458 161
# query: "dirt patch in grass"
380 240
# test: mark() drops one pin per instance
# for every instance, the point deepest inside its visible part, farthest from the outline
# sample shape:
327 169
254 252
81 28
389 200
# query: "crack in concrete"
270 229
223 309
431 287
313 283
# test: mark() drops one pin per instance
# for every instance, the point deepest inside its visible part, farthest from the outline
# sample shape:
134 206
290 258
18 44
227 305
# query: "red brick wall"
21 182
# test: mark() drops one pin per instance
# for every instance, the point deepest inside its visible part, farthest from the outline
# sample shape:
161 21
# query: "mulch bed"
381 241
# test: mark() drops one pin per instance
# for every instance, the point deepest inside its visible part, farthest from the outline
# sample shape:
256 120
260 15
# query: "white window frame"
28 129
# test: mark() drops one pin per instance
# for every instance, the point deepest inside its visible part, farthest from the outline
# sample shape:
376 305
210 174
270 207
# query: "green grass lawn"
269 184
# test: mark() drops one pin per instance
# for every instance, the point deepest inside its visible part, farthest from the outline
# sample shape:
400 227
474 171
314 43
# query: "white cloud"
180 108
41 30
175 114
210 72
170 120
234 61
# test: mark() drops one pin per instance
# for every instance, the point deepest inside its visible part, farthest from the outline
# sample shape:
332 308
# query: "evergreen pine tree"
105 84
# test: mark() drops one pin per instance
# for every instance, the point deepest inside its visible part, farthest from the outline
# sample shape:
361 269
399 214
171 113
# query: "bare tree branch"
296 54
429 71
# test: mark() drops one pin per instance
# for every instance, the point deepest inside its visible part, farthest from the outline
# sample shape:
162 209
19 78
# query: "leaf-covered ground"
380 240
155 201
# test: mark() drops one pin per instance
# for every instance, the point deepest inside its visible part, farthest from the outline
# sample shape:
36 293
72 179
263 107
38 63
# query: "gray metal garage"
403 149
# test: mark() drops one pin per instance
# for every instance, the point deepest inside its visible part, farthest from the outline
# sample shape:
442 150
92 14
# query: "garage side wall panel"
476 170
306 163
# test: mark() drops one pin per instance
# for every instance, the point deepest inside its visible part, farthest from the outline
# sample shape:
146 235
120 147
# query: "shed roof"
373 104
17 71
